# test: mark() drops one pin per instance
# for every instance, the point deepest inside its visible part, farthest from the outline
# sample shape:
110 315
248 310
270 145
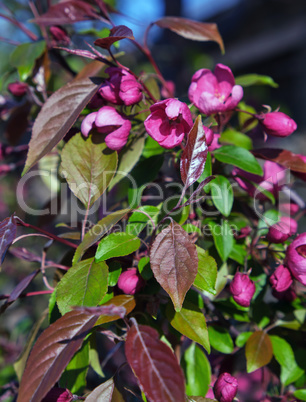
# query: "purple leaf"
8 230
51 353
193 30
174 262
68 12
154 364
117 33
108 310
57 116
24 254
283 157
194 155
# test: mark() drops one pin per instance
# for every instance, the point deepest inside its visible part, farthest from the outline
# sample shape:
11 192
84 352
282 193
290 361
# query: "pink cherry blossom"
168 122
296 258
277 124
281 279
215 92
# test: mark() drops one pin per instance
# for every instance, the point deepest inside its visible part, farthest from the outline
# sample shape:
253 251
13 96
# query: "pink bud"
58 395
130 282
288 295
242 289
281 279
59 34
17 88
289 208
282 230
296 258
168 122
277 124
244 232
225 388
209 135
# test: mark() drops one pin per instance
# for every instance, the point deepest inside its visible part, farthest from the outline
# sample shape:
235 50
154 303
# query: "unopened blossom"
288 295
17 88
242 289
108 121
296 258
168 122
282 230
281 279
130 282
58 395
215 92
277 124
121 87
225 388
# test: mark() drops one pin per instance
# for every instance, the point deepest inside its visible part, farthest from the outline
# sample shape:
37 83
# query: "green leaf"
239 157
234 137
116 245
266 220
88 168
197 371
207 272
222 194
190 228
98 231
48 169
152 148
114 268
207 170
74 375
128 158
23 57
94 360
284 355
242 338
190 321
223 238
220 339
258 351
85 284
139 219
221 278
245 119
144 268
300 394
180 215
238 253
248 80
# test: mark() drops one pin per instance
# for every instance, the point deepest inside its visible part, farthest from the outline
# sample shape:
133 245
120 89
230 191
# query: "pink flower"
289 208
281 279
168 122
288 295
296 258
58 395
225 388
17 88
130 282
215 92
282 230
121 87
108 121
277 124
242 288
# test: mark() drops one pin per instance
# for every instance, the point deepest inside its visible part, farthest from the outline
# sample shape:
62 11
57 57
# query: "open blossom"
214 92
130 282
226 387
108 121
242 289
281 279
277 124
168 122
296 258
282 230
121 87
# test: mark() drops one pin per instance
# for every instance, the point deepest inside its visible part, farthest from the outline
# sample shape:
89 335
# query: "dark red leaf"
51 353
8 230
301 250
154 364
79 52
117 33
283 157
174 262
68 12
193 30
109 310
194 155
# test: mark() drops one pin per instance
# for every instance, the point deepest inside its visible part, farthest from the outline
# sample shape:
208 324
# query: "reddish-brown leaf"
57 116
258 351
68 12
283 157
51 353
195 153
116 305
193 30
117 33
8 231
154 364
174 262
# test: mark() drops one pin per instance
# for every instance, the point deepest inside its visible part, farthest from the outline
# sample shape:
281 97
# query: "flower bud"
282 230
130 282
17 88
296 258
281 279
242 289
225 388
59 34
288 295
58 395
277 124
